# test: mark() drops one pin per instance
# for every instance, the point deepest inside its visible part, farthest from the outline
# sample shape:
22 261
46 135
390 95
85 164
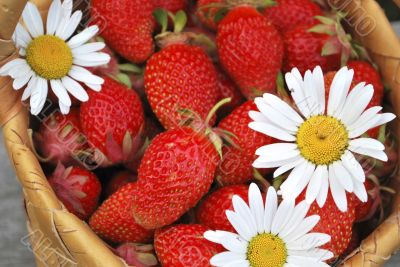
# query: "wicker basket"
58 238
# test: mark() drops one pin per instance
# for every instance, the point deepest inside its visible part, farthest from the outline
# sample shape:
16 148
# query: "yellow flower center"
322 139
266 250
49 57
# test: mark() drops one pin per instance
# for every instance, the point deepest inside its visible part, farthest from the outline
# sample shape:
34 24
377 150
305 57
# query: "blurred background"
14 251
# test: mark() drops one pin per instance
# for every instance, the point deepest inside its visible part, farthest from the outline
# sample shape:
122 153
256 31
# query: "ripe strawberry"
228 89
211 211
114 222
250 49
365 211
207 14
119 180
176 171
184 245
60 138
304 50
333 222
138 255
112 121
287 14
127 26
178 77
236 164
354 242
77 188
171 5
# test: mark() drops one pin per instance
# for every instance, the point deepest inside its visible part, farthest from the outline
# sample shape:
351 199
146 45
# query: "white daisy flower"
52 56
318 144
270 236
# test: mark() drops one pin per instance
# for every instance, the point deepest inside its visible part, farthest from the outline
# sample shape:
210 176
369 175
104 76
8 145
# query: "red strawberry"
365 211
178 77
354 242
171 5
60 138
114 221
77 188
112 121
304 50
184 245
207 14
176 171
228 89
333 222
138 255
250 49
287 14
211 212
127 26
236 164
119 180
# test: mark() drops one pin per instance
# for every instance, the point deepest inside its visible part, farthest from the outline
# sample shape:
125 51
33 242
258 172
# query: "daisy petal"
309 241
271 205
343 176
295 86
92 59
294 177
319 82
53 17
337 190
33 20
273 131
353 166
299 213
83 36
358 104
363 128
283 107
83 75
311 93
22 36
236 245
71 25
305 262
277 160
227 257
272 149
384 118
240 225
339 88
22 81
360 191
64 108
292 190
243 211
88 48
257 206
16 63
314 187
28 90
323 193
75 89
378 154
94 87
38 96
282 216
368 143
286 167
60 91
320 254
303 228
365 117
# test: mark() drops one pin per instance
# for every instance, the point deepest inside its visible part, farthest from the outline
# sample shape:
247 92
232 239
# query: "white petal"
276 148
367 115
343 176
16 63
257 206
217 236
75 89
353 166
337 190
271 130
22 81
88 48
71 25
358 105
83 36
53 17
85 76
314 187
92 59
94 87
309 241
286 167
363 128
319 81
369 143
299 213
308 173
28 90
67 7
294 177
271 205
22 36
64 108
275 116
305 262
295 85
240 225
292 190
60 91
33 20
20 71
352 97
360 191
282 216
272 161
224 258
384 118
283 107
316 253
38 96
311 93
237 245
303 228
244 212
323 193
339 89
378 154
258 116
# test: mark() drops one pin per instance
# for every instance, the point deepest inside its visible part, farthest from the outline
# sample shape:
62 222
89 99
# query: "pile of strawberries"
153 160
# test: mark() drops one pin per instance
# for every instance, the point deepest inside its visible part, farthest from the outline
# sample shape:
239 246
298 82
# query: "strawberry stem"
215 108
